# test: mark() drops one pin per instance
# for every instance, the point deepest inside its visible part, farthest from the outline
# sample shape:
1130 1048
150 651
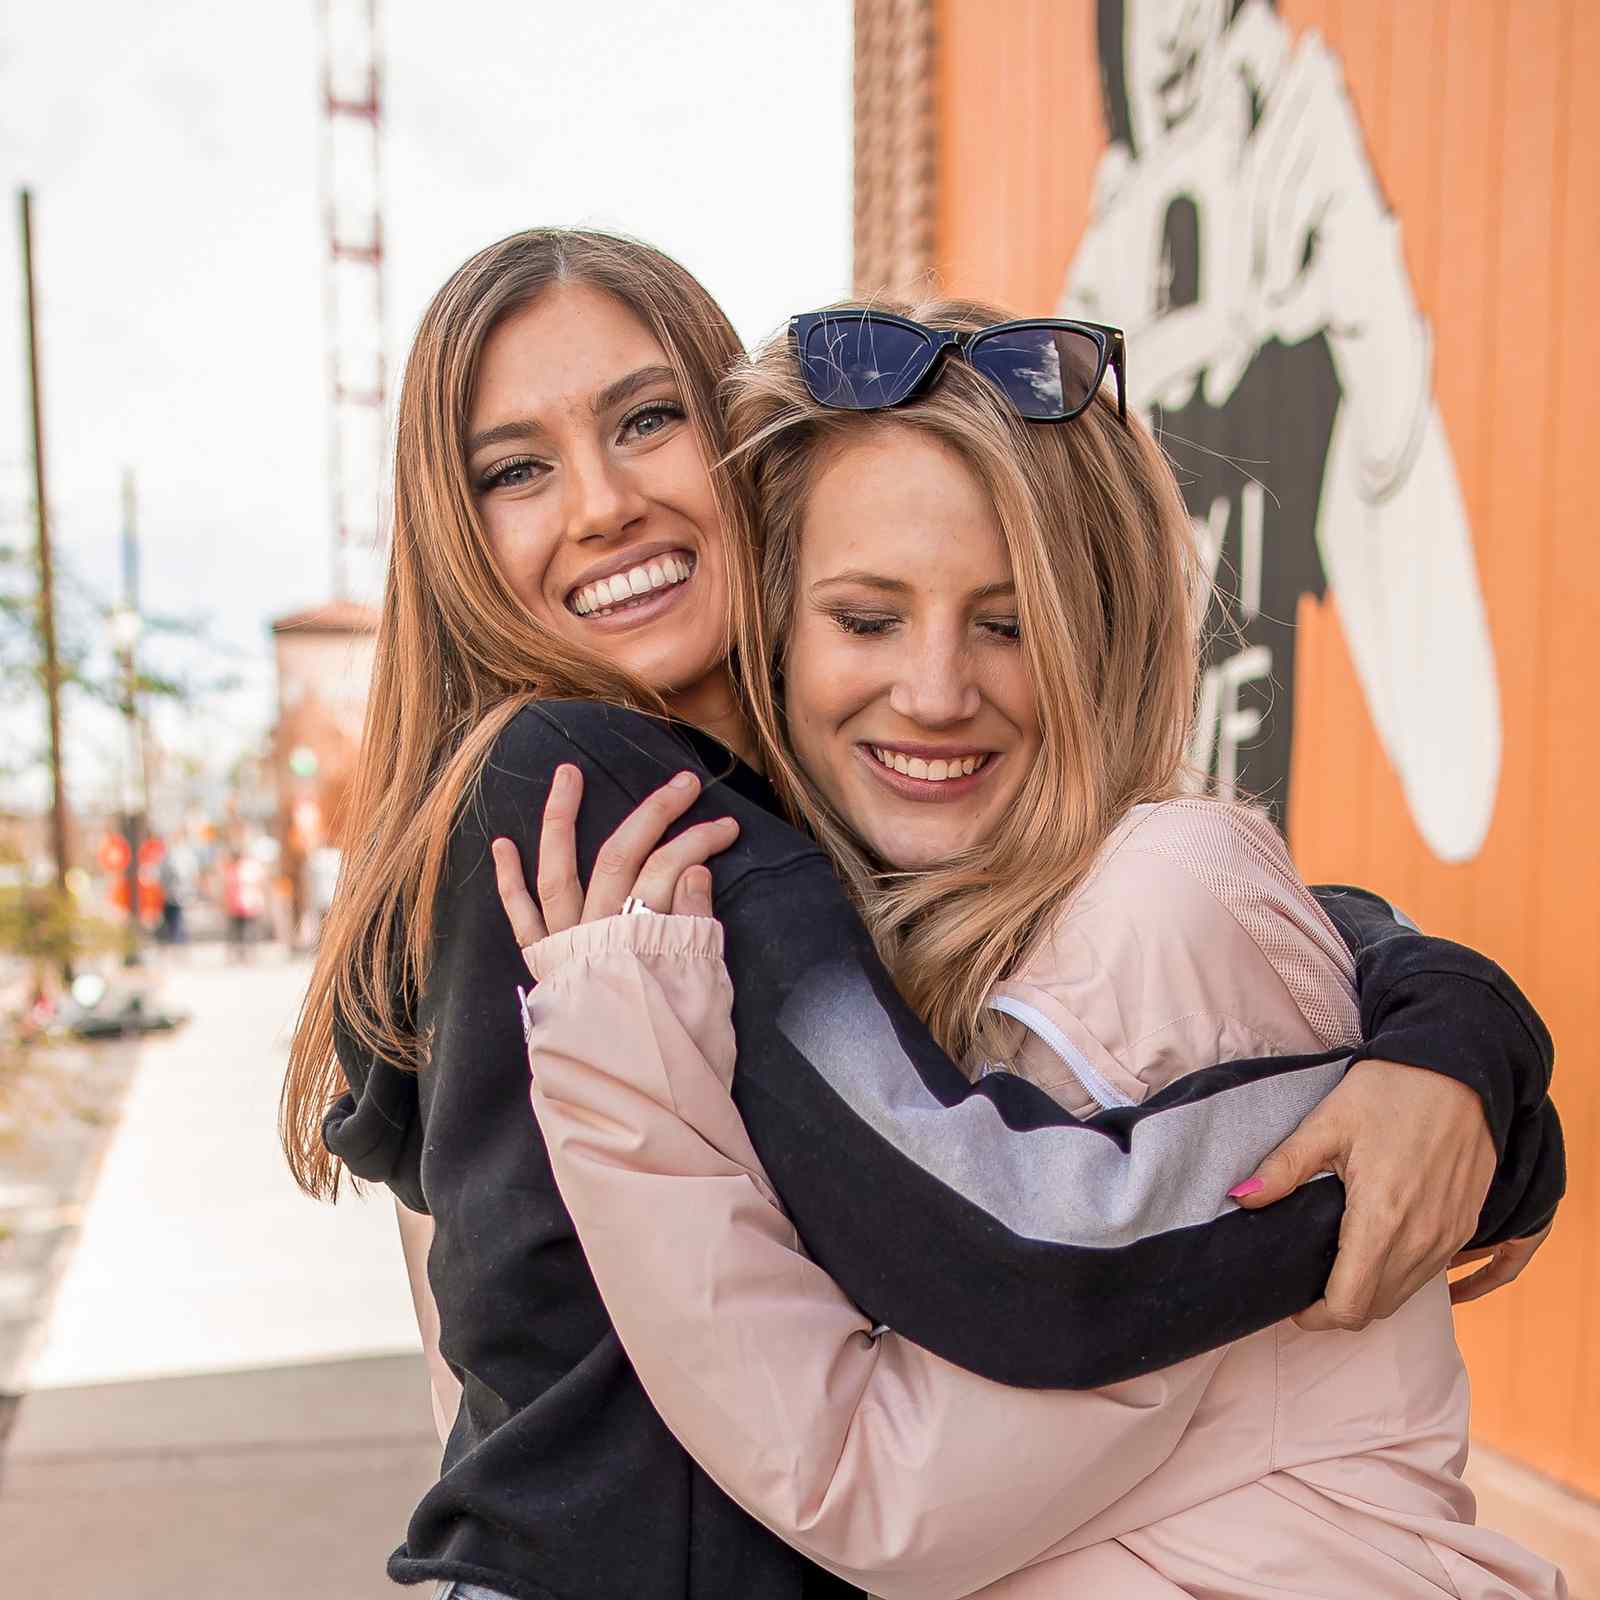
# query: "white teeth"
938 771
661 573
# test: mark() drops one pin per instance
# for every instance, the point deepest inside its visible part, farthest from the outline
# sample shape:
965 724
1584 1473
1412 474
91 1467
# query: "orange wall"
1483 121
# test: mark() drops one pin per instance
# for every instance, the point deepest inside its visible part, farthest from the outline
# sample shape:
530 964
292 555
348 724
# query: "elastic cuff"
642 934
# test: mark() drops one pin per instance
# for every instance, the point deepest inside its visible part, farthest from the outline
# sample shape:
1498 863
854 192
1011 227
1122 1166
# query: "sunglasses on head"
1048 368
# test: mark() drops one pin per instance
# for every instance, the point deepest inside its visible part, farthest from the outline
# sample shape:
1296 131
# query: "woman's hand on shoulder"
1505 1264
1416 1158
632 865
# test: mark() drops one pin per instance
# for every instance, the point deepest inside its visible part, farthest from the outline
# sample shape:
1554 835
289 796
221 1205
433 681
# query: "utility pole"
47 600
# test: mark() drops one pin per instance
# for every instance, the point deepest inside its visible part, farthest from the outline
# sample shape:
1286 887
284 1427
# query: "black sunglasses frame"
944 342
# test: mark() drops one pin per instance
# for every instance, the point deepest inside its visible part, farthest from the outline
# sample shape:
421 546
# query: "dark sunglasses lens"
863 364
1046 373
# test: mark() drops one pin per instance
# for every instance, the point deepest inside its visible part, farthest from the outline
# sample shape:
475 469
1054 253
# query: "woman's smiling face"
593 489
908 698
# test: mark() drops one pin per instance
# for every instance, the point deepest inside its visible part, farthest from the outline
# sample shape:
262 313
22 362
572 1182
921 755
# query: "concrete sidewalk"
196 1252
222 1398
288 1483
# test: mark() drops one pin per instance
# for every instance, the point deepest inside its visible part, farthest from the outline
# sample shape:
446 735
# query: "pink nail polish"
1249 1186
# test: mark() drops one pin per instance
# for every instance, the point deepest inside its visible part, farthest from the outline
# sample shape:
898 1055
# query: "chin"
921 855
673 664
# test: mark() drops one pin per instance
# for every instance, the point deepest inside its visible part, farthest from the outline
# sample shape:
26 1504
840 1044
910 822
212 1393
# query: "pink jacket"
1285 1464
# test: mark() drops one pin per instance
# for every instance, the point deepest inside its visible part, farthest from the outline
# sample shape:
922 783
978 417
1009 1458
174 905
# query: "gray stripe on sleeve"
1059 1185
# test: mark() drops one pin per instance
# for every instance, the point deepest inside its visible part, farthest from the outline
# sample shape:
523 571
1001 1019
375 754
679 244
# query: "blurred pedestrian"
244 900
178 873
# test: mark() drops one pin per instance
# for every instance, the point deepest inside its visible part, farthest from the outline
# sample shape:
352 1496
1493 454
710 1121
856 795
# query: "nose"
936 686
601 500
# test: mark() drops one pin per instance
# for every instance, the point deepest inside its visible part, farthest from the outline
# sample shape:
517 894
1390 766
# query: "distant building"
324 662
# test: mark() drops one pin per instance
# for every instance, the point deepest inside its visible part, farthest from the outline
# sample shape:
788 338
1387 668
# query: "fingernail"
1249 1186
685 780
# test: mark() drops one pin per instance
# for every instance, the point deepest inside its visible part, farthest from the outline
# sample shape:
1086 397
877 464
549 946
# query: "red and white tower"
353 290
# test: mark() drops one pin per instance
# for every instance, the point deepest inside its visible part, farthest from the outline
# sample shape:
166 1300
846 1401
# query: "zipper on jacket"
1095 1084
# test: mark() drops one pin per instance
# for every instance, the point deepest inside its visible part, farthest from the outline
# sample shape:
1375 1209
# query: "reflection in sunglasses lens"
1044 372
862 364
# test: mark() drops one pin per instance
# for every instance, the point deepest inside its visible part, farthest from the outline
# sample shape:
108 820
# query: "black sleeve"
374 1128
1435 1004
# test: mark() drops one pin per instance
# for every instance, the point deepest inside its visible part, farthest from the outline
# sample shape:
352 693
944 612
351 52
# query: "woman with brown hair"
985 635
561 550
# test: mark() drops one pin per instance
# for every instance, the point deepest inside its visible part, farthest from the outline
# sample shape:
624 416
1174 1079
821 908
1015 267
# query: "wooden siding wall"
1483 122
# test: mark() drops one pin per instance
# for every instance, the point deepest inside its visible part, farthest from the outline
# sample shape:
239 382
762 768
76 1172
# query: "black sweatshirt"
559 1480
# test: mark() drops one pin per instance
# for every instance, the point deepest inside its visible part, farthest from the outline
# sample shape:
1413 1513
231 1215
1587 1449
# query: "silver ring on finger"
633 906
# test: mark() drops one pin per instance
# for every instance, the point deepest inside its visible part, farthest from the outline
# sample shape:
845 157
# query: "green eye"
512 474
652 417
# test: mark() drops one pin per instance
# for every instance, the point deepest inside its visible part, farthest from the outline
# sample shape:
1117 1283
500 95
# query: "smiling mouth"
625 591
930 770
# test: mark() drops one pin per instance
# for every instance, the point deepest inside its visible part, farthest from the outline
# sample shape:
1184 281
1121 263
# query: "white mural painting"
1239 234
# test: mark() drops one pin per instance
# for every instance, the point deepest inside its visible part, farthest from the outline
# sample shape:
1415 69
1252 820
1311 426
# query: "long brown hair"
458 655
1103 558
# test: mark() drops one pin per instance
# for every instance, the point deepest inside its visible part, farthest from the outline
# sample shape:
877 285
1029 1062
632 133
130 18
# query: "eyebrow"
874 580
613 395
627 387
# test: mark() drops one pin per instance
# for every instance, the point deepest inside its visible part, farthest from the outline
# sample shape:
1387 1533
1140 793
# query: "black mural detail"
1240 236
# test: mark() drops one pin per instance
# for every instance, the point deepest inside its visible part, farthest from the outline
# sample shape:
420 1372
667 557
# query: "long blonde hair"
458 655
1103 559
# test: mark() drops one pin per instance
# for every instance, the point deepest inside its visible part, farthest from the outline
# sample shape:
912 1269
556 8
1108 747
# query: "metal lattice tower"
353 287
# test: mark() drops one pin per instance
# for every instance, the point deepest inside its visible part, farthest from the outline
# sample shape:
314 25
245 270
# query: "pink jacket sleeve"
900 1472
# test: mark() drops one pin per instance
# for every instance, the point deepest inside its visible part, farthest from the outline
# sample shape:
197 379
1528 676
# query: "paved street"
224 1398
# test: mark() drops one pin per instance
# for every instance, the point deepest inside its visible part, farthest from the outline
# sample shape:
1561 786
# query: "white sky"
172 147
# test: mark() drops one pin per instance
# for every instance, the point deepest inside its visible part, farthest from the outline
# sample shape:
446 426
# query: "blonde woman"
983 630
562 550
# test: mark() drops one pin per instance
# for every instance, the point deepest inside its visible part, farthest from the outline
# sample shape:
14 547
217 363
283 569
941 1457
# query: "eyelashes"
861 627
500 473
